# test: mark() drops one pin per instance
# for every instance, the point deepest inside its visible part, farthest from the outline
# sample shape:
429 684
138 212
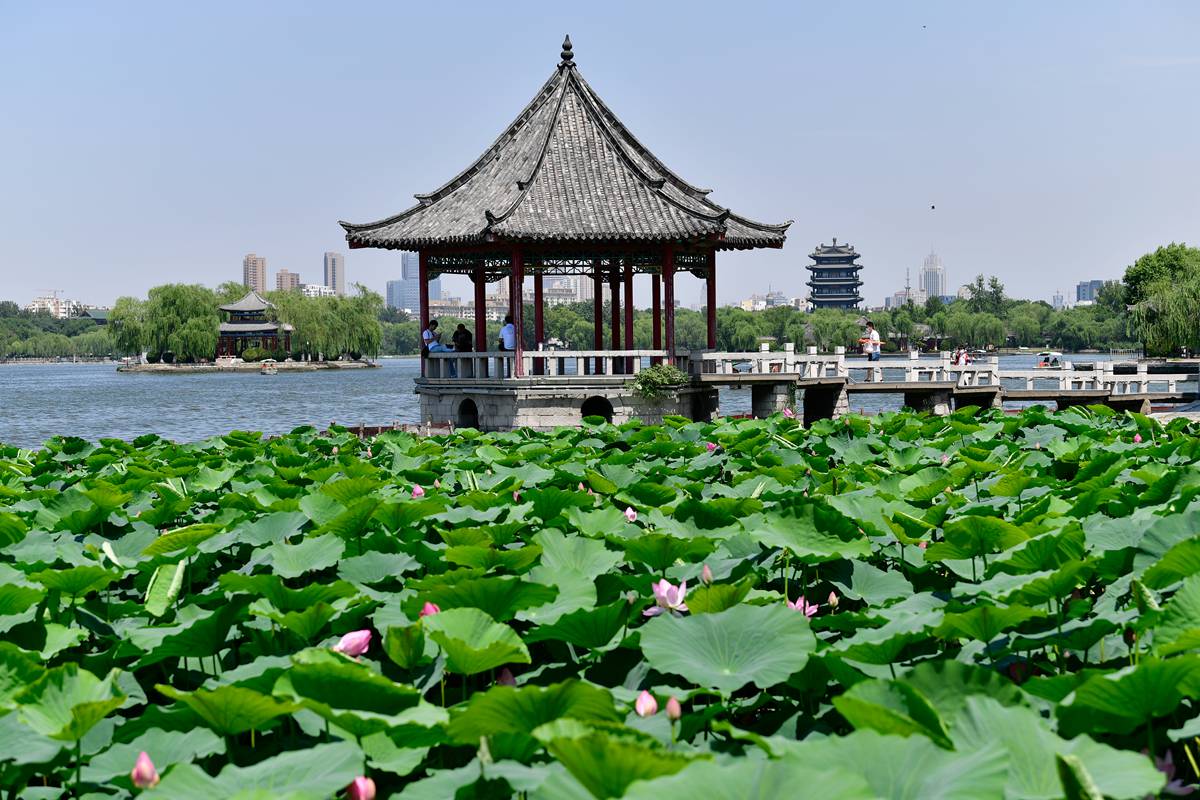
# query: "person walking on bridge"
870 345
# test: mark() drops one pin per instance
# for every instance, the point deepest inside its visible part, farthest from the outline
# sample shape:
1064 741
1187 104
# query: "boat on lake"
268 367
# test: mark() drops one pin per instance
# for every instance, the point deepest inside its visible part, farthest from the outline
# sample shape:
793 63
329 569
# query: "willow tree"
128 324
1165 319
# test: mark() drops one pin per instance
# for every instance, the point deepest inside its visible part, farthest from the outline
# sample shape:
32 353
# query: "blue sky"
154 142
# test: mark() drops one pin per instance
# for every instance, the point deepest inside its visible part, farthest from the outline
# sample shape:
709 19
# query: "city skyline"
1043 97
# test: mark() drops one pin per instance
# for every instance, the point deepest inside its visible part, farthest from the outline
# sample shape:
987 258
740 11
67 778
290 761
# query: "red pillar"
597 308
629 343
656 311
711 303
480 278
423 280
668 276
539 327
517 301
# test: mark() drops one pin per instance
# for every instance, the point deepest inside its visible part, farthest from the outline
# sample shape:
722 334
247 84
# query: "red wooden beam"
423 312
656 311
711 302
668 276
539 327
481 343
517 301
628 314
597 309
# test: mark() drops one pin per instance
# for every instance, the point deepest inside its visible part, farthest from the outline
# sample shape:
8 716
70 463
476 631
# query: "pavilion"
248 326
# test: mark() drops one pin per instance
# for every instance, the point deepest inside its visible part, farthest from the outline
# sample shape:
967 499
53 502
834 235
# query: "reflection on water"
38 401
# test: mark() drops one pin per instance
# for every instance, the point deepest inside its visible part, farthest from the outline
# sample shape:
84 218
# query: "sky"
1045 143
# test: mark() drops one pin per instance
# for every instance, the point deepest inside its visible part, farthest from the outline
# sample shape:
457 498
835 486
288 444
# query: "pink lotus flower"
667 598
945 459
354 644
361 789
803 606
335 450
581 487
922 545
505 678
429 609
1175 786
630 514
418 491
645 705
143 774
516 497
706 576
711 446
674 710
833 600
369 454
437 484
1137 438
789 414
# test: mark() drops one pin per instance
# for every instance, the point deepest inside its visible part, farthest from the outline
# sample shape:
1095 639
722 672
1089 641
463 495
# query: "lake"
38 401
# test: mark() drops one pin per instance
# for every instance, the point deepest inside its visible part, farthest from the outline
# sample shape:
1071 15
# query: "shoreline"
248 366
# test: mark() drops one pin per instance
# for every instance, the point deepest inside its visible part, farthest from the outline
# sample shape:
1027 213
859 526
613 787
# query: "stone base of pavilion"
544 403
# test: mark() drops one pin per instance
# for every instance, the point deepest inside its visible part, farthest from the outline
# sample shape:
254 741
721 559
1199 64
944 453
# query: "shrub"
658 380
255 354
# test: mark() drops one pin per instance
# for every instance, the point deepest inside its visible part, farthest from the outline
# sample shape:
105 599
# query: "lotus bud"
833 600
516 497
437 484
143 774
335 449
706 576
630 514
1137 438
631 597
354 644
505 678
645 705
417 491
429 609
581 488
711 446
361 789
922 544
945 459
674 710
789 414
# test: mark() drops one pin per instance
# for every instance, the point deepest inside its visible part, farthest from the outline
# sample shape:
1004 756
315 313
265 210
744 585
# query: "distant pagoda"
834 282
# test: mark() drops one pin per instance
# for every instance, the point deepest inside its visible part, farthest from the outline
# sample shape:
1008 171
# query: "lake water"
38 401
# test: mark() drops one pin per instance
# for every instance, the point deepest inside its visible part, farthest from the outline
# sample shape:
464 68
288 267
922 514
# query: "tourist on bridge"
870 345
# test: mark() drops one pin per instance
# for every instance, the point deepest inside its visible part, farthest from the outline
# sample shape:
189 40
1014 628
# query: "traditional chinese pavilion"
566 189
248 326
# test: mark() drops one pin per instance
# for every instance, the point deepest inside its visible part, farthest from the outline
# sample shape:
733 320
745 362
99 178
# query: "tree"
195 340
1171 261
1112 297
230 292
128 323
1166 319
933 305
170 307
986 297
9 309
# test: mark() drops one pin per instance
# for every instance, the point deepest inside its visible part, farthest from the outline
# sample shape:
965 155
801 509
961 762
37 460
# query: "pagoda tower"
834 282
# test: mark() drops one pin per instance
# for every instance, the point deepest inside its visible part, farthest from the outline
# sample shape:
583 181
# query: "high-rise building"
286 281
933 276
335 272
1088 290
404 295
1058 301
834 282
410 266
254 272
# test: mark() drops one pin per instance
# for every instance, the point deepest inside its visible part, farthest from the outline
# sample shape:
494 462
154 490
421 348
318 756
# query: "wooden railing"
494 365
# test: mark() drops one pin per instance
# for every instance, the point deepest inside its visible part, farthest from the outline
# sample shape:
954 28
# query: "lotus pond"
979 606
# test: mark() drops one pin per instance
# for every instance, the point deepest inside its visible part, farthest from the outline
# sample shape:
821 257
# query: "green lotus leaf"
1178 628
18 669
816 533
12 529
164 587
184 539
751 779
311 555
512 710
593 628
763 645
75 581
607 766
349 694
498 597
892 707
17 599
658 551
1121 701
319 772
474 642
376 567
163 747
983 622
67 701
230 710
575 554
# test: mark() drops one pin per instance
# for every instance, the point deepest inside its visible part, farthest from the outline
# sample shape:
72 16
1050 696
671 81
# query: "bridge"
820 384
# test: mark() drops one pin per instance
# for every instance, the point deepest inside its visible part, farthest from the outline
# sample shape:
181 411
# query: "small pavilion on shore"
566 189
248 326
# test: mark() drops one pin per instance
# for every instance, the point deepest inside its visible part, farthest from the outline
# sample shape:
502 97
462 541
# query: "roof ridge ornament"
568 58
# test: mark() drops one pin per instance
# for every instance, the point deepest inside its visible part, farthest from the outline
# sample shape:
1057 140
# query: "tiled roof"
251 301
565 170
253 327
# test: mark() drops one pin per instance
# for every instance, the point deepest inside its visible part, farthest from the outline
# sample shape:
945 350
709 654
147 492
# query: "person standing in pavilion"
870 345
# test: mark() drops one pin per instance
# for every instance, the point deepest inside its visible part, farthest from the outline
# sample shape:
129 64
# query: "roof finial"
567 56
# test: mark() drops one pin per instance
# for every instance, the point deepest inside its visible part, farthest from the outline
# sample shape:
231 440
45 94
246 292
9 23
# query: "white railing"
810 365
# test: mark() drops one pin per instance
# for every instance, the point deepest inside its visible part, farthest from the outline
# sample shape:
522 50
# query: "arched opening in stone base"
468 414
597 406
